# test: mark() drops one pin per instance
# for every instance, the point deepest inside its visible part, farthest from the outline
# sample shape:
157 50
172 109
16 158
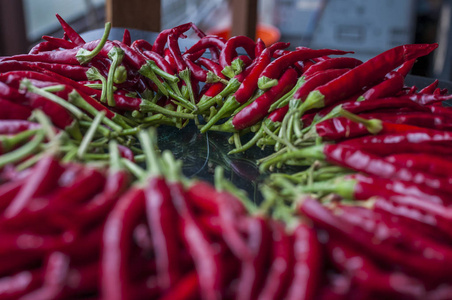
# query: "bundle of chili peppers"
90 209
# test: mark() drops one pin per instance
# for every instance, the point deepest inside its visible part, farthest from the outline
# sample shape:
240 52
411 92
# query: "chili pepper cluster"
356 207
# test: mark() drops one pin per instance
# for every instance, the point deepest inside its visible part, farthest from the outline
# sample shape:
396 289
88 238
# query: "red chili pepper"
16 126
186 288
258 109
252 272
421 119
162 38
276 68
126 39
160 62
44 179
173 47
207 261
387 88
385 144
428 163
367 274
363 161
308 264
41 47
381 240
364 187
333 63
318 79
209 41
406 67
162 218
383 104
117 244
365 74
70 32
19 284
211 66
228 53
281 271
58 42
10 110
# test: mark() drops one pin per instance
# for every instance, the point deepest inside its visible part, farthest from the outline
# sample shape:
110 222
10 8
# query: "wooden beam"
13 36
244 18
136 14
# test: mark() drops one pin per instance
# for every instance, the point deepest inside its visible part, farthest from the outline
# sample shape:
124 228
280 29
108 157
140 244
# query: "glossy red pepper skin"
59 43
45 175
405 253
276 68
366 187
387 88
258 109
318 79
370 72
428 163
228 53
333 63
70 32
207 261
252 272
383 104
278 114
162 38
13 111
116 244
211 66
369 276
364 161
429 89
281 271
160 214
308 263
209 41
249 83
421 119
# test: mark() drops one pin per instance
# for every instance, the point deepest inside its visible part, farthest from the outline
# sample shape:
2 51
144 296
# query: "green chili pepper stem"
223 184
120 75
264 83
311 152
286 98
134 168
148 140
186 77
374 126
229 105
25 83
24 151
90 134
54 88
116 55
115 157
147 106
94 74
168 77
147 71
78 101
173 167
46 124
9 142
84 56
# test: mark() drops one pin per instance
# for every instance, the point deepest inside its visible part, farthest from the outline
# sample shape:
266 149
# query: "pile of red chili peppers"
89 208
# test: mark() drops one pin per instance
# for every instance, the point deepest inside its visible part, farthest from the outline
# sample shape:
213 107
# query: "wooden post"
244 18
136 14
13 37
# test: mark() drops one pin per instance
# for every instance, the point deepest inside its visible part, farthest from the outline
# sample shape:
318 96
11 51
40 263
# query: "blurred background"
366 27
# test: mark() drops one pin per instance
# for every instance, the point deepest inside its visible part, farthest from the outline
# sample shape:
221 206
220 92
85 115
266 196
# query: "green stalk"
115 157
186 77
24 151
45 124
26 84
116 55
168 77
90 135
148 140
94 74
84 56
315 152
147 71
147 106
78 101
